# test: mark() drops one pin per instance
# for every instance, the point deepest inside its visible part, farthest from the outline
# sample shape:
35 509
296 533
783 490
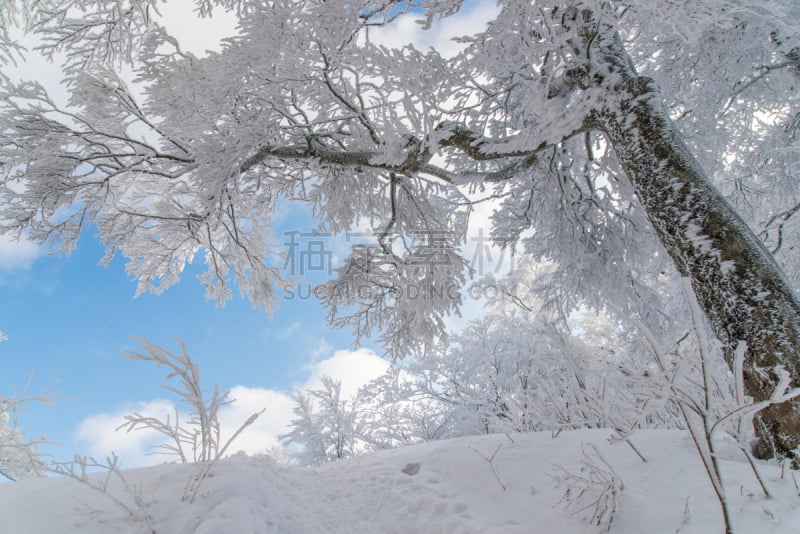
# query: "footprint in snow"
411 469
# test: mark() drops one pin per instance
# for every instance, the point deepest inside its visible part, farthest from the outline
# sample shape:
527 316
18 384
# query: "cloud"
289 330
135 449
203 34
16 255
353 368
405 29
320 349
99 431
263 434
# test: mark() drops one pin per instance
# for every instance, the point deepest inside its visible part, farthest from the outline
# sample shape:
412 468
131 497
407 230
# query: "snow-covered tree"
19 454
396 410
305 432
521 372
326 427
512 371
623 138
389 411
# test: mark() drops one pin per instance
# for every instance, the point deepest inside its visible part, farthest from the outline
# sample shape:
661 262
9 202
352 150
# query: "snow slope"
454 488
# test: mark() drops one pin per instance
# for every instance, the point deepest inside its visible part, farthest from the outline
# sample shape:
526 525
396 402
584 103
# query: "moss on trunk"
739 285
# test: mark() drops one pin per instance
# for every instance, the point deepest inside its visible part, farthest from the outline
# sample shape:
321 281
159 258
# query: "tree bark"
737 281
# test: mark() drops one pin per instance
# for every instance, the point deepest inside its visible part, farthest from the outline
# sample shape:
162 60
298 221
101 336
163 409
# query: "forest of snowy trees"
509 372
638 154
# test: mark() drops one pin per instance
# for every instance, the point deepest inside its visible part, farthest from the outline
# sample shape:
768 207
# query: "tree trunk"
737 281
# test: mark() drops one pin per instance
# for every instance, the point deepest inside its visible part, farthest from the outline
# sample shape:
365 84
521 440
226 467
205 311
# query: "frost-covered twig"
20 456
707 407
78 469
694 407
490 461
202 432
703 436
178 436
205 413
596 488
687 515
739 420
193 486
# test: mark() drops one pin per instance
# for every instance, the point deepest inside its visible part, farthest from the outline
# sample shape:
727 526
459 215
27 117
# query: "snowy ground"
455 489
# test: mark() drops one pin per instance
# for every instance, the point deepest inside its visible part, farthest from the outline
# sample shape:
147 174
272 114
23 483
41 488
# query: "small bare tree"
595 489
199 440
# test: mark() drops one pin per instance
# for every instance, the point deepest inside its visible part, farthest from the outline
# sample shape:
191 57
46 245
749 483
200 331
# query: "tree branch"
477 147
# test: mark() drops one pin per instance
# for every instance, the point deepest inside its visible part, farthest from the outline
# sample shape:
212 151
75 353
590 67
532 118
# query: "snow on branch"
19 455
595 490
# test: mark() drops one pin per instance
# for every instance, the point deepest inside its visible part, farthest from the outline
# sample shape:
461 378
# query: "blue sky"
69 321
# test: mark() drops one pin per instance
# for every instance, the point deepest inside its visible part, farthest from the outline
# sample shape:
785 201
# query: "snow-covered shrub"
594 490
387 412
512 371
523 372
711 399
111 482
199 439
19 455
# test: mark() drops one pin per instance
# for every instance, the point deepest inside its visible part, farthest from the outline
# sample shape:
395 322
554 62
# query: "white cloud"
202 34
321 349
405 29
263 434
289 330
16 255
353 367
99 431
